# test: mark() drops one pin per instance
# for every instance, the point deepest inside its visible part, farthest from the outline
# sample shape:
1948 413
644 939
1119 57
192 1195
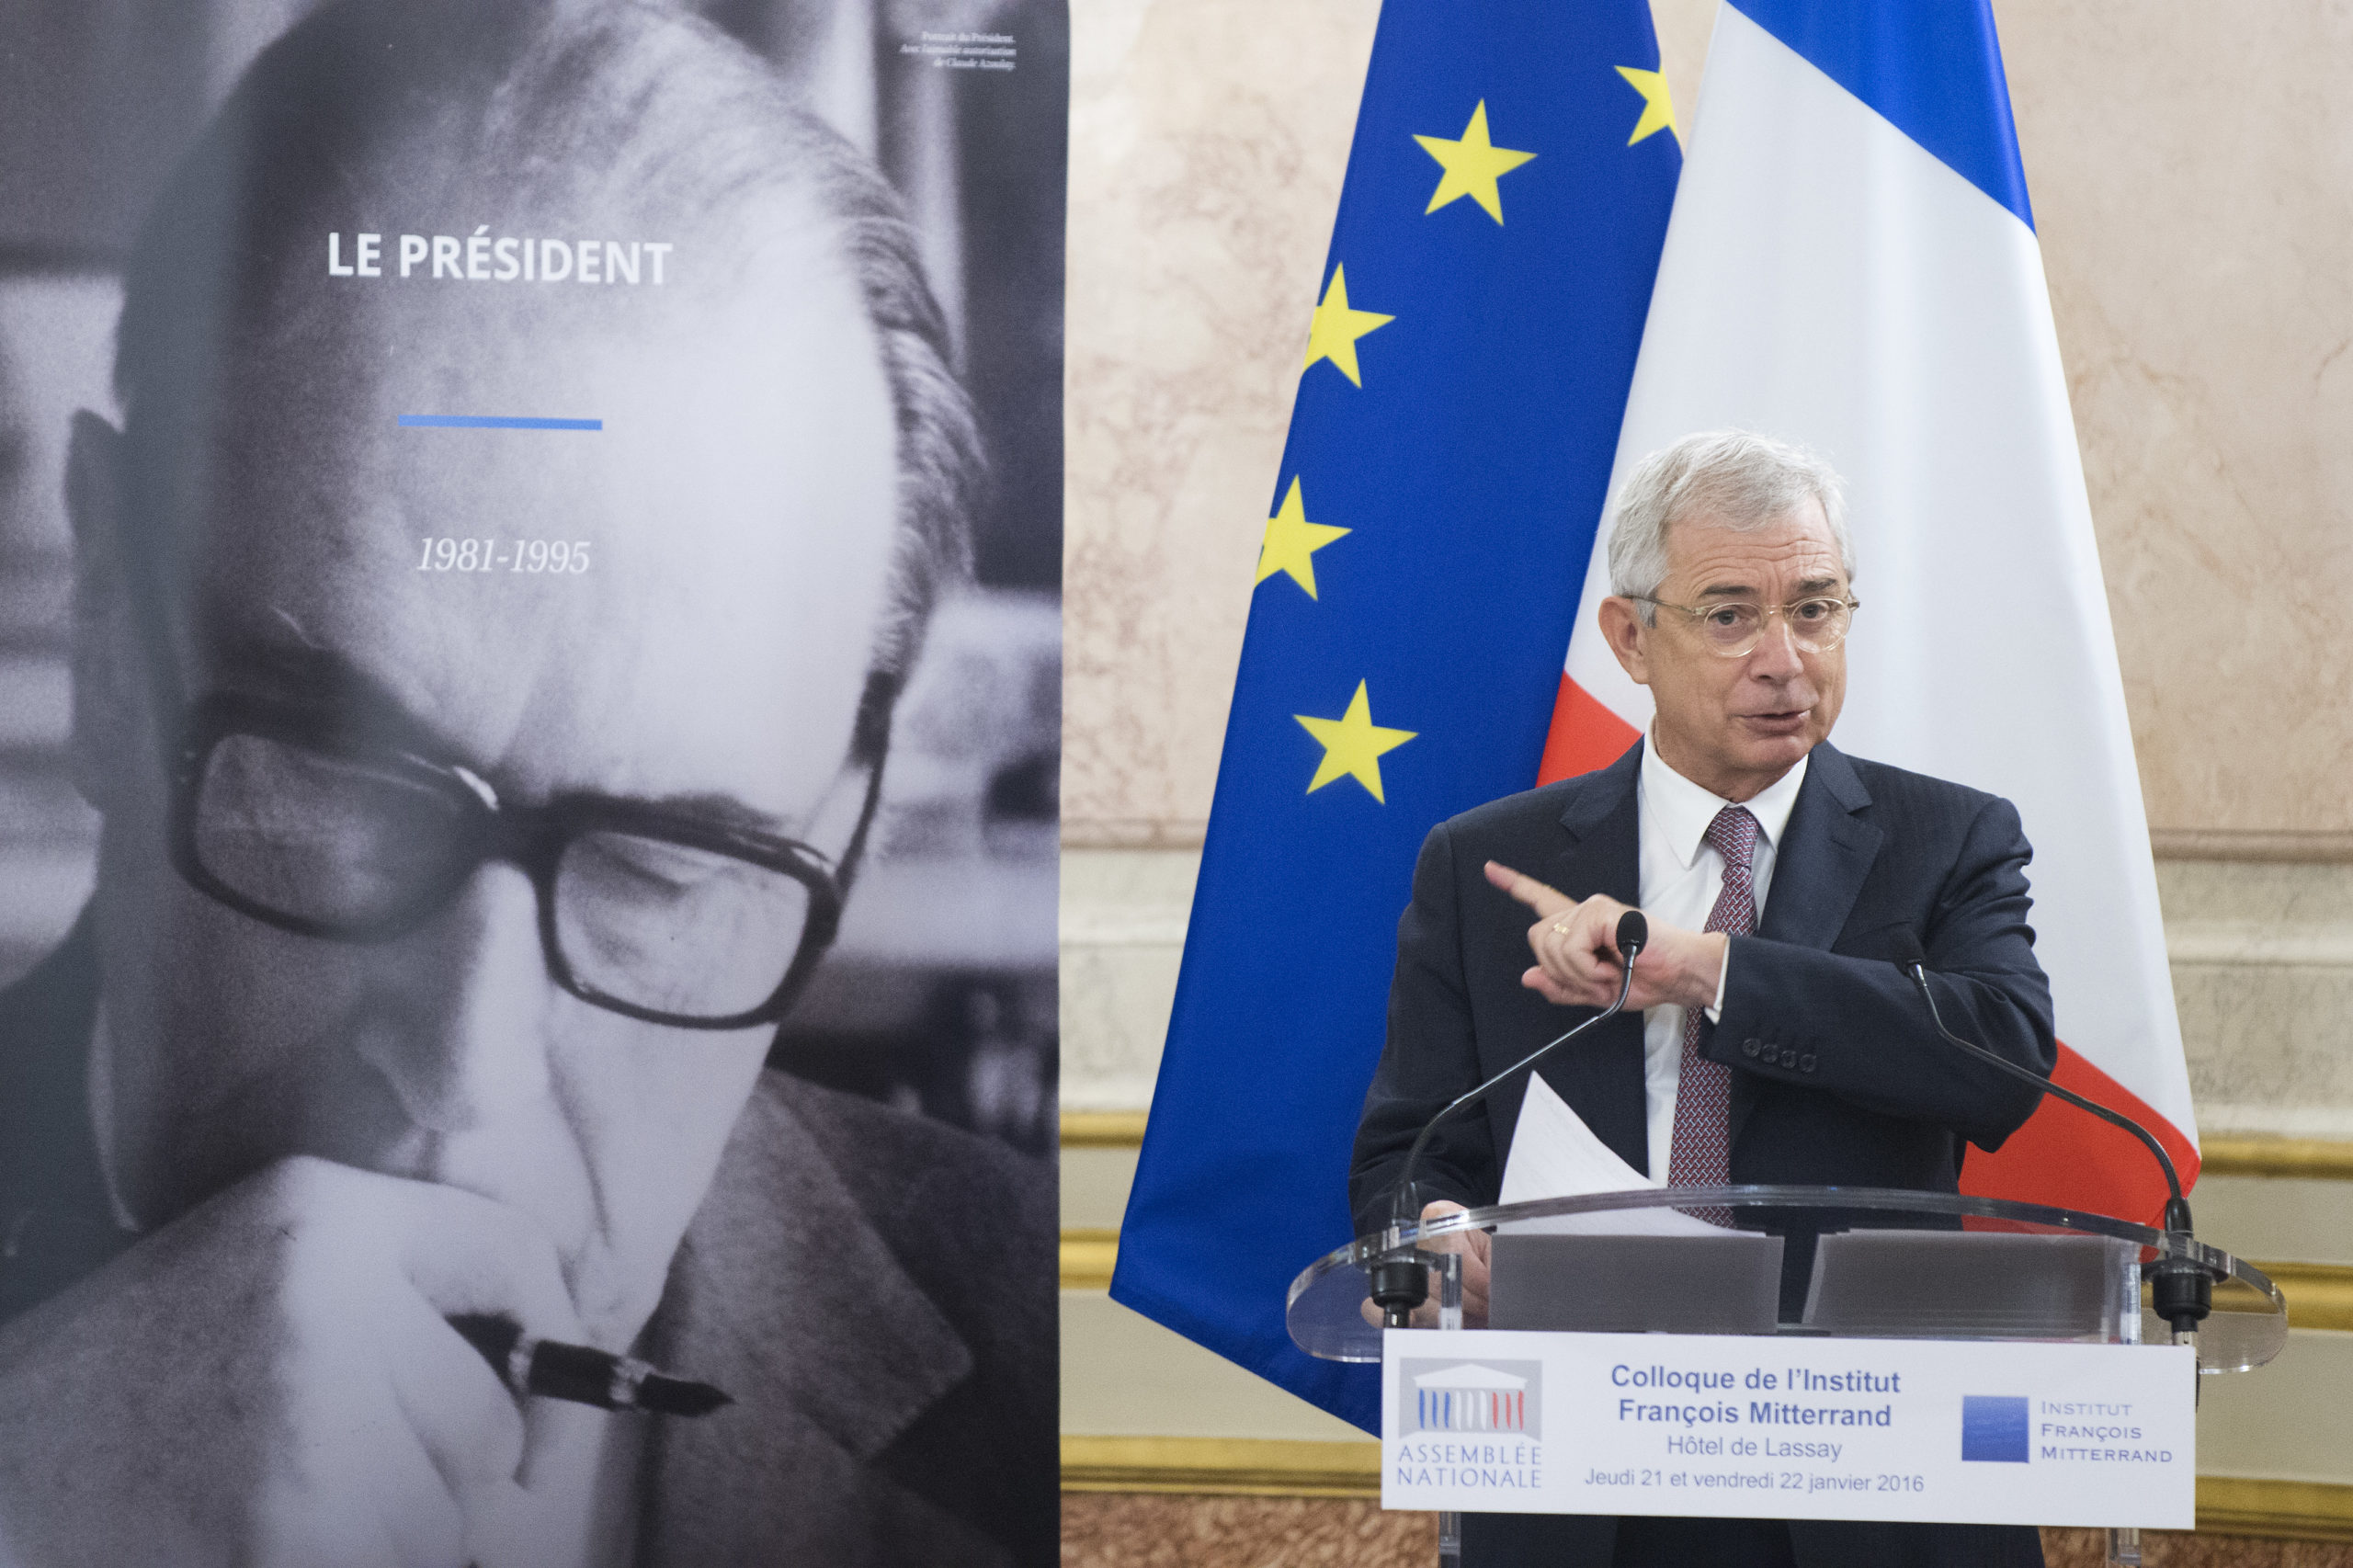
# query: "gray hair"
1733 479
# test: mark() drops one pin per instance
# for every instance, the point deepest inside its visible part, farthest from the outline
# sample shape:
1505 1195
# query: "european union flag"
1450 453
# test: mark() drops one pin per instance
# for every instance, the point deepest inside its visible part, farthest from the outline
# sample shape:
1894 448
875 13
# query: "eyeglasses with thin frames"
1735 626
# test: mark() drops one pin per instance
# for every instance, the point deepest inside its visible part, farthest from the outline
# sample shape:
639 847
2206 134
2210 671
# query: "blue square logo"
1993 1428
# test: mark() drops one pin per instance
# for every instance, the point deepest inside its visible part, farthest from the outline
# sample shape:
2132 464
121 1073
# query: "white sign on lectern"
1782 1427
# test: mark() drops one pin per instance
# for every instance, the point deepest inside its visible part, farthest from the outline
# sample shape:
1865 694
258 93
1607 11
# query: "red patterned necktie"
1701 1152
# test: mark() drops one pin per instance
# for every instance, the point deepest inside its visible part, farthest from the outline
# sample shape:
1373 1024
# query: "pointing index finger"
1529 891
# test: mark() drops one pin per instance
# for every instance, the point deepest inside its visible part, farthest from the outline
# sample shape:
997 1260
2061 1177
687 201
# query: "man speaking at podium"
1777 1042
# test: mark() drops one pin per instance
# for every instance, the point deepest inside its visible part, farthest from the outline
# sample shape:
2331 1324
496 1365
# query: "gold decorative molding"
2167 843
2320 1295
2307 1159
1249 1466
1133 832
1087 1257
2296 1510
2300 1510
2244 1155
2230 843
1103 1128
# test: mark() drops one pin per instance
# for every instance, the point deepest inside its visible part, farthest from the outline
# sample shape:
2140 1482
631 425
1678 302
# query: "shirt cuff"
1723 977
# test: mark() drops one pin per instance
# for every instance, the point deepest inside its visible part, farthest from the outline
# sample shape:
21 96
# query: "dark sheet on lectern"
1970 1285
1723 1284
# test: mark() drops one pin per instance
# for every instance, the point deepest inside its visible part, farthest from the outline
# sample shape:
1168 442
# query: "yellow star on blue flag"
1464 431
1353 745
1658 107
1474 165
1291 542
1333 333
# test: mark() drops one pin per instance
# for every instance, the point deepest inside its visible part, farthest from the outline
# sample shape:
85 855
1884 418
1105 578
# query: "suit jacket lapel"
1824 854
1601 1075
785 1296
1604 852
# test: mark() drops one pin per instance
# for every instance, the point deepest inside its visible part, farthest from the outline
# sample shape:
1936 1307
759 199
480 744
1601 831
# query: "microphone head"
1633 932
1907 948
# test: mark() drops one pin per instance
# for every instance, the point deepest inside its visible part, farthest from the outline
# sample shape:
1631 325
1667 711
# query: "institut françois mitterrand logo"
1495 1398
1993 1429
2014 1429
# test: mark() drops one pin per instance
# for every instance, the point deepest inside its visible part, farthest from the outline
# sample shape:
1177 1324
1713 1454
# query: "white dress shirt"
1681 877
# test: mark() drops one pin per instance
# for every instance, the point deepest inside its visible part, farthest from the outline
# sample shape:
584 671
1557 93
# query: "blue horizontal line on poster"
494 422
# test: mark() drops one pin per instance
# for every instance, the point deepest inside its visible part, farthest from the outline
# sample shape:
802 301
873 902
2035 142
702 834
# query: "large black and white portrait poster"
529 648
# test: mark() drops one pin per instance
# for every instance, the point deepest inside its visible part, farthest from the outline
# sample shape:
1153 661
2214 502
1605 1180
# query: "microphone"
1399 1283
2182 1292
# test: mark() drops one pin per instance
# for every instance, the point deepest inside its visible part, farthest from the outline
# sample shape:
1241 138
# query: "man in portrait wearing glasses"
444 918
1768 1037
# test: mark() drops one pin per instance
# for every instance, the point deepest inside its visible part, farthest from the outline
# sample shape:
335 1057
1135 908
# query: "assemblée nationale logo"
1487 1398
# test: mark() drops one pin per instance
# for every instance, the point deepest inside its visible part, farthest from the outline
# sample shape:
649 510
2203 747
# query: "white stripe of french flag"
1829 281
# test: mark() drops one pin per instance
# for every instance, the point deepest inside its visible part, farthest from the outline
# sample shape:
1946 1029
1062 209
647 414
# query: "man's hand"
1576 952
271 1380
1472 1245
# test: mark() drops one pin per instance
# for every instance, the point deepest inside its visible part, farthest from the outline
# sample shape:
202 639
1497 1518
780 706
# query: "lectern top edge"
1328 1304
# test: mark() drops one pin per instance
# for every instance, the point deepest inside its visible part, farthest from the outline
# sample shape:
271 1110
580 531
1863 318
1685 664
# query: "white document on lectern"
1555 1154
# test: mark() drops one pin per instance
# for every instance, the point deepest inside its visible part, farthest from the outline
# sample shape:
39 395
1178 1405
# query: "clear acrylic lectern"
1857 1262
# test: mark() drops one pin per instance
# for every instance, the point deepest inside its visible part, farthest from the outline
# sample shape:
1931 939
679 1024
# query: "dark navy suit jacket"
1838 1077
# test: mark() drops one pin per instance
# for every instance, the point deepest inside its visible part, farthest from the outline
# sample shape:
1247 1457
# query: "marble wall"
2191 177
2195 234
1208 140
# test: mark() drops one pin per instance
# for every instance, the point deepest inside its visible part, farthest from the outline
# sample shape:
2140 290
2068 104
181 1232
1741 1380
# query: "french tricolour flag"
1852 265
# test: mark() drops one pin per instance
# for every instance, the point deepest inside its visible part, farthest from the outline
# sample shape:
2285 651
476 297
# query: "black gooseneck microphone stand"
1400 1281
2182 1292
